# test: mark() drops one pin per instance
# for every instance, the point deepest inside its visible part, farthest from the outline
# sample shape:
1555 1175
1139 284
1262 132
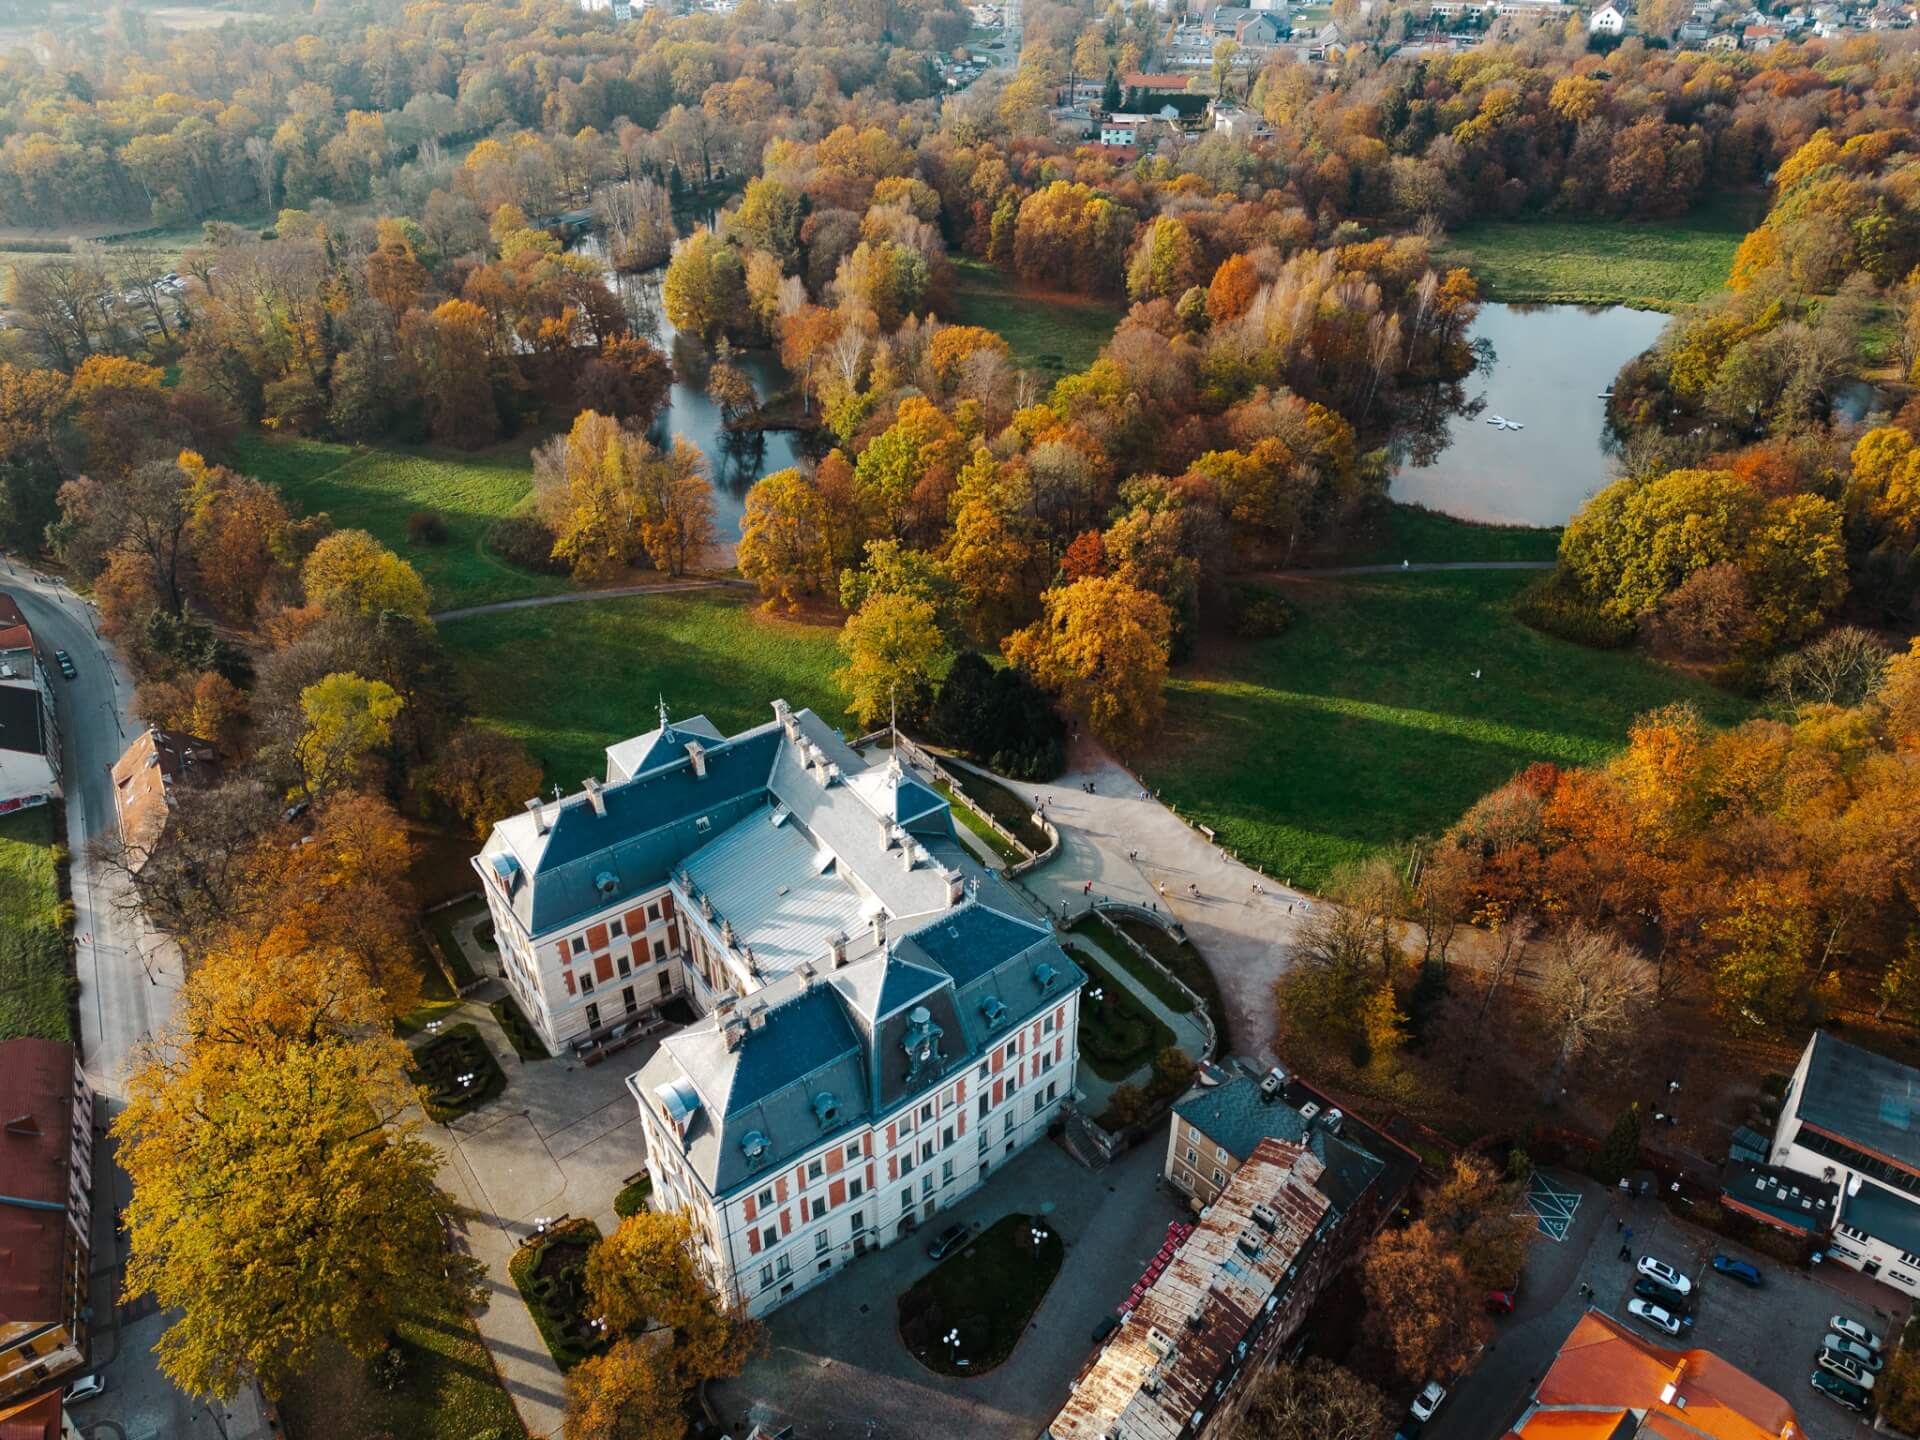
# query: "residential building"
1723 40
147 781
1217 1126
46 1217
1788 1200
42 1418
1761 37
29 737
1851 1119
1121 129
1607 20
1239 123
1608 1381
1238 1286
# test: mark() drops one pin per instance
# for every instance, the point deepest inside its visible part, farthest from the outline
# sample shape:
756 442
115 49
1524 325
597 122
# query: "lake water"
735 458
1550 365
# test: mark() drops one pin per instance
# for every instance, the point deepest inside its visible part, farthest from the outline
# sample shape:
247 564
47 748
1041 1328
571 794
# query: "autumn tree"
1423 1307
346 719
1314 1399
482 776
204 703
647 1272
628 1393
350 572
1165 263
705 292
784 546
1484 1218
280 1203
1591 990
1231 291
893 648
1101 646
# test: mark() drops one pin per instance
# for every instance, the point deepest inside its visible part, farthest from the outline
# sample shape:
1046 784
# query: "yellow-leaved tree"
348 717
352 573
1101 646
893 647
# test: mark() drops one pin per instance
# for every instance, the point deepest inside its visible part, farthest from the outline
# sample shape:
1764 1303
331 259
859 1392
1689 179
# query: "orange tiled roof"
1604 1368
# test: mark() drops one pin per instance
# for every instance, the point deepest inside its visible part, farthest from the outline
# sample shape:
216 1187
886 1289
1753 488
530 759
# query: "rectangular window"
1046 1026
854 1187
853 1152
1046 1063
770 1237
629 999
659 950
820 1243
946 1136
926 1149
666 983
816 1169
618 927
859 1221
1192 1158
1219 1178
906 1199
983 1072
625 966
926 1112
653 912
983 1104
766 1276
946 1172
593 1017
586 982
765 1197
825 1265
906 1163
819 1208
784 1266
579 944
926 1184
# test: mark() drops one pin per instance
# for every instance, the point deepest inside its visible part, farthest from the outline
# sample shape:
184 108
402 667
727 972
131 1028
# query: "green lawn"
34 972
1413 532
376 490
450 1390
1004 805
1050 331
1363 726
1009 854
1095 929
1656 265
987 1291
569 680
1118 1035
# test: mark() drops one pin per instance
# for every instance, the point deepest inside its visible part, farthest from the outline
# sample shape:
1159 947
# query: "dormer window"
922 1043
995 1011
1045 976
606 882
826 1109
754 1146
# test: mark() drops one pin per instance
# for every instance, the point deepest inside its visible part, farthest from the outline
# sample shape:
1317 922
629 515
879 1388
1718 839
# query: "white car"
90 1387
1846 1367
1428 1401
1668 1276
1854 1331
1651 1314
1855 1351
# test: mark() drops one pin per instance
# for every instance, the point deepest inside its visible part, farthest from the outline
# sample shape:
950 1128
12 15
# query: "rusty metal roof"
1160 1367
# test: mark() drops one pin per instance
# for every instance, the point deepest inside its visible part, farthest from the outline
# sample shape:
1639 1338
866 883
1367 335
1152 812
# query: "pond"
735 458
1549 367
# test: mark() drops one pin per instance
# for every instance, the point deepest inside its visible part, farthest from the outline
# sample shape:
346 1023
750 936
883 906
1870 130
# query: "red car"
1500 1302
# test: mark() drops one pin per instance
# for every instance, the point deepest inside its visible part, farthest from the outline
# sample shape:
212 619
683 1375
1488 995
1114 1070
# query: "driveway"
834 1363
1133 848
1771 1333
560 1140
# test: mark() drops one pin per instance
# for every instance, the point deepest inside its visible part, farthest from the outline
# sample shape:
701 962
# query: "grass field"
449 1389
1413 532
1052 332
376 490
1657 265
1363 726
569 680
34 983
987 1291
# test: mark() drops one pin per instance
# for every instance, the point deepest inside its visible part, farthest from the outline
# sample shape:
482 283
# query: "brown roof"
37 1419
1604 1368
36 1118
144 777
15 633
1159 1367
1139 80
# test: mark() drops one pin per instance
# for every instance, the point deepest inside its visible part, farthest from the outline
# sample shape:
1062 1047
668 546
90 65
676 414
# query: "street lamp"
952 1339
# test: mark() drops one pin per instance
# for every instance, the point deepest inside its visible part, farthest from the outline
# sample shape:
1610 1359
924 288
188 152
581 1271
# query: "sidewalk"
1188 1033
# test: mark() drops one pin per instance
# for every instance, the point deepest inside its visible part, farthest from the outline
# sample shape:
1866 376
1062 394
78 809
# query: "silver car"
1854 1331
1845 1367
1855 1351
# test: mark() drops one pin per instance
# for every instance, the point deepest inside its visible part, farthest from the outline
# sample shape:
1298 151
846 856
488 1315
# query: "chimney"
909 853
757 1015
880 929
594 797
808 974
539 816
837 949
789 721
697 753
733 1030
886 833
956 888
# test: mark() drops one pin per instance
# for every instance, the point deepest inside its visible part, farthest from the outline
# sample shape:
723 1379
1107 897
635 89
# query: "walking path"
1188 1033
571 597
1133 848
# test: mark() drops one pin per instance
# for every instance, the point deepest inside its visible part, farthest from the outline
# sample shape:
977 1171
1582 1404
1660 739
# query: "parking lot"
1771 1333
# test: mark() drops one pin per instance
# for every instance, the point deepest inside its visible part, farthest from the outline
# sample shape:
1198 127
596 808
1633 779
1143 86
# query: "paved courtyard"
834 1362
1771 1333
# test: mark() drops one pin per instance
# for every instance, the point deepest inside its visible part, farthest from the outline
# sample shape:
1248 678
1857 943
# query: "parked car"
1428 1401
1668 1276
1853 1349
1854 1331
89 1387
1660 1294
1845 1367
1839 1391
1105 1328
1737 1270
951 1239
1649 1313
65 662
1500 1302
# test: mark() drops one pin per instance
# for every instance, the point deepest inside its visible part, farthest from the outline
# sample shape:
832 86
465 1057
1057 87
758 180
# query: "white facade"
1607 20
863 1189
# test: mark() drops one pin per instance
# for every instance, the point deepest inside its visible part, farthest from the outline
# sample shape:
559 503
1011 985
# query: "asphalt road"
128 978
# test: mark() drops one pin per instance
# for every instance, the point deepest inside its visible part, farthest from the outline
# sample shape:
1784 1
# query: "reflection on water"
1544 367
735 458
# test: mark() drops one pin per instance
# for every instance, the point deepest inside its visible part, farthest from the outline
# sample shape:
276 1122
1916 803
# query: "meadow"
569 680
1050 332
34 981
1650 265
377 489
1364 725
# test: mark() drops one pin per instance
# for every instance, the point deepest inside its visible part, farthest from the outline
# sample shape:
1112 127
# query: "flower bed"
456 1073
987 1291
551 1273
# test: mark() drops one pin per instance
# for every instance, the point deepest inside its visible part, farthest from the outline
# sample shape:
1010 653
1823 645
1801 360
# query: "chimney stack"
697 753
594 797
880 929
956 888
734 1030
757 1015
539 816
837 949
